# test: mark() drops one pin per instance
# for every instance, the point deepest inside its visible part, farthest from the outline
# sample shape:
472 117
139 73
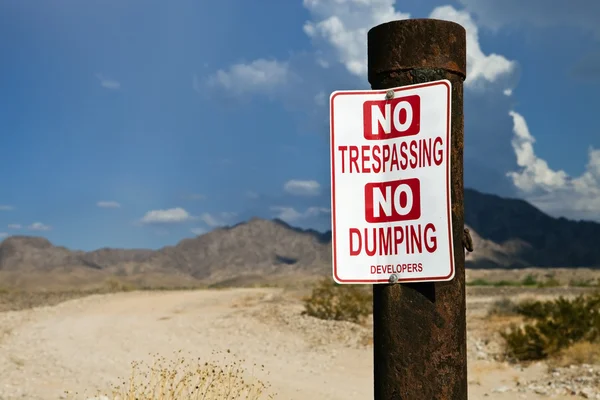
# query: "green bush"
331 301
585 283
529 280
534 309
552 326
504 283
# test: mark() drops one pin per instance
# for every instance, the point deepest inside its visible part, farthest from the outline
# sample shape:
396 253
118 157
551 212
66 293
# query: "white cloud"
169 216
260 75
316 211
108 83
198 231
210 220
4 207
339 30
220 219
535 173
554 191
108 204
14 226
290 214
252 195
38 226
481 68
3 235
179 215
342 26
302 188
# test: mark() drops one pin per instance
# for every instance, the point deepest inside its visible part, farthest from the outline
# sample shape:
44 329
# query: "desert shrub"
332 301
182 379
552 326
549 283
584 283
504 306
504 283
114 285
534 309
529 280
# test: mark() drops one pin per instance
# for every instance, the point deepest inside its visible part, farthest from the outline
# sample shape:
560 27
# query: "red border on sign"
448 189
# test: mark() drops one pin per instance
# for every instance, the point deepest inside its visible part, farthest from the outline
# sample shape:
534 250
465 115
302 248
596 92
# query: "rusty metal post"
419 332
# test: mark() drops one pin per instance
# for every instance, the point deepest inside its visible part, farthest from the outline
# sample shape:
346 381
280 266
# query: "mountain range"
507 233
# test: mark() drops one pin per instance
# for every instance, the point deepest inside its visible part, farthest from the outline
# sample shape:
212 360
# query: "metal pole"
419 332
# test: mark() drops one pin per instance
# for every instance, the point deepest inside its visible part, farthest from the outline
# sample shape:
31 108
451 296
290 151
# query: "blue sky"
139 123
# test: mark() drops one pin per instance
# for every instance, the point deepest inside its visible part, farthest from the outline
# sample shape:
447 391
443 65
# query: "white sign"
390 180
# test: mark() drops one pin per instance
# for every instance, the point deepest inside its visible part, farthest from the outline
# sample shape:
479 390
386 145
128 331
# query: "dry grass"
22 299
185 378
15 300
499 277
331 301
577 354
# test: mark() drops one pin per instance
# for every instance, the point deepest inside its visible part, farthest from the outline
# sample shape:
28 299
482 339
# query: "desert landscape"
87 344
231 305
186 181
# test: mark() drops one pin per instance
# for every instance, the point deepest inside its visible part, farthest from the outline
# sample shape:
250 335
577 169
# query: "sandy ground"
88 343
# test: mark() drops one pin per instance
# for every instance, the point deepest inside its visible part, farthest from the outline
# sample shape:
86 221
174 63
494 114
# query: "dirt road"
89 343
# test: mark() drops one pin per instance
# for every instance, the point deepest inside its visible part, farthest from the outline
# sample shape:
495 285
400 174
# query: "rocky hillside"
26 253
506 233
257 248
530 236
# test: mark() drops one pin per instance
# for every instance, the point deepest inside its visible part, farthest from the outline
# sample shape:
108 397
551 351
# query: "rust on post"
419 333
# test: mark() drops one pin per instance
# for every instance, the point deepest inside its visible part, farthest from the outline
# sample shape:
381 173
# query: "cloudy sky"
139 123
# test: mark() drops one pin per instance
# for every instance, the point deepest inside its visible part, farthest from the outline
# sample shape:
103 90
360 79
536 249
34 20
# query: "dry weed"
113 284
577 354
331 301
183 379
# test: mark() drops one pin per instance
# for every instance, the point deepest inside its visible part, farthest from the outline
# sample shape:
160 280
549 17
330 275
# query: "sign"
390 179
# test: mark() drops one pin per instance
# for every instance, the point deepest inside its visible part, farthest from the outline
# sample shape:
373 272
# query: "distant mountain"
258 249
268 247
26 254
535 237
506 233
